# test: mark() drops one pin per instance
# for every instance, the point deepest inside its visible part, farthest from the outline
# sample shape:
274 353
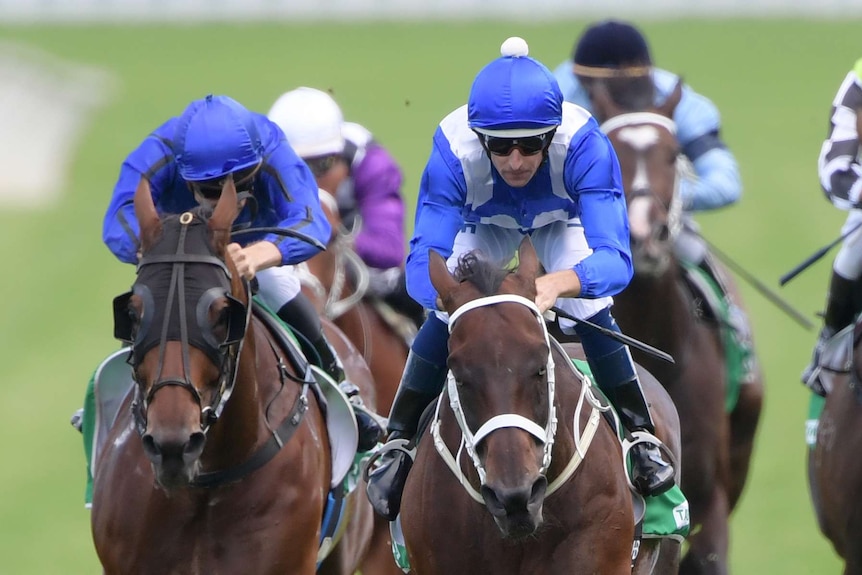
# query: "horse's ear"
145 212
226 209
528 261
667 108
441 279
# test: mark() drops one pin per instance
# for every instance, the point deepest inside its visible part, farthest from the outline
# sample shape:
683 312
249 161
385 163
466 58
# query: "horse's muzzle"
516 510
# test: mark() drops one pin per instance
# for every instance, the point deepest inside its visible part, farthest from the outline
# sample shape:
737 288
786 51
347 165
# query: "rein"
470 440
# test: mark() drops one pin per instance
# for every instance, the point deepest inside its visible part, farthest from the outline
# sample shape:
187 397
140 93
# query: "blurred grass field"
772 80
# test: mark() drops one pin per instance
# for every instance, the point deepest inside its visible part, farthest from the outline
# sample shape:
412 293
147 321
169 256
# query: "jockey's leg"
614 370
421 383
301 315
840 311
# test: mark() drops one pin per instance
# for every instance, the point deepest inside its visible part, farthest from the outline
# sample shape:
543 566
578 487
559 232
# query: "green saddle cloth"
665 515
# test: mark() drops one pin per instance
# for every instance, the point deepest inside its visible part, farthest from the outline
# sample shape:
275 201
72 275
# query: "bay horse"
538 483
220 460
659 308
834 466
337 281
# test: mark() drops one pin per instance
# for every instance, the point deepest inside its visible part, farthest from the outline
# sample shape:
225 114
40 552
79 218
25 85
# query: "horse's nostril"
151 448
194 447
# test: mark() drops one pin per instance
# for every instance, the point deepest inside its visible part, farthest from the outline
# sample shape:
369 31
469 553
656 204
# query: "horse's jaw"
650 260
517 512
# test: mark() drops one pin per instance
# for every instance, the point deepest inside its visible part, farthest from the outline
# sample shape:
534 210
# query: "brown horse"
331 282
658 307
834 465
220 460
537 484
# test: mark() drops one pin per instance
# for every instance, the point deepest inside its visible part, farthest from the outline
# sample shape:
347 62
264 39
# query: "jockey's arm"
254 257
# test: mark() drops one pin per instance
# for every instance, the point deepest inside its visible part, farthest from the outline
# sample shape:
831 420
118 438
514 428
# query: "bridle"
545 435
225 353
629 125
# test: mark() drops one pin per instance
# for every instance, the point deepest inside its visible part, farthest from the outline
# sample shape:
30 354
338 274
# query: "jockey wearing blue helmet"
515 161
186 161
214 137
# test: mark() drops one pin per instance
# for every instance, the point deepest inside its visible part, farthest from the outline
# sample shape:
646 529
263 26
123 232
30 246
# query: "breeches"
848 262
559 245
277 286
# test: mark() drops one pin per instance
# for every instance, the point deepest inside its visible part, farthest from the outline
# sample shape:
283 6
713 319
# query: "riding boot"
615 374
401 302
301 315
840 311
421 383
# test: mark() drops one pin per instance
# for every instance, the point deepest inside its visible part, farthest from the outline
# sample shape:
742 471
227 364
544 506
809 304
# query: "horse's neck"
241 425
658 309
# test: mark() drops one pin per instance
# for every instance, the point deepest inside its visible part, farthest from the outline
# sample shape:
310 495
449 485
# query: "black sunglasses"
243 180
529 145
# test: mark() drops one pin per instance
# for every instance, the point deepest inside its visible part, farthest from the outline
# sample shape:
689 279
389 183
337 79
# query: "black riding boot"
301 315
401 302
421 384
615 373
840 311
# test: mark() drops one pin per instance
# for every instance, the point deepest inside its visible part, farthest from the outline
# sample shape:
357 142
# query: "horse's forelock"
487 276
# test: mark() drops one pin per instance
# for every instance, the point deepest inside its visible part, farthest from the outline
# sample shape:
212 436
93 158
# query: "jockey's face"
329 171
207 192
517 168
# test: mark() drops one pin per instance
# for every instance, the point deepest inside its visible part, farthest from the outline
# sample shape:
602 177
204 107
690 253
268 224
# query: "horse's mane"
631 94
486 275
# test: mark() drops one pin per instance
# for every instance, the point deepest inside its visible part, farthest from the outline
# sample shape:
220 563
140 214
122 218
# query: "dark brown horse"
330 280
657 307
222 462
537 484
337 283
834 465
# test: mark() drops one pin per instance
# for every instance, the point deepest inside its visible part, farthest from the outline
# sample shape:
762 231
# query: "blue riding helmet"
611 44
514 95
215 136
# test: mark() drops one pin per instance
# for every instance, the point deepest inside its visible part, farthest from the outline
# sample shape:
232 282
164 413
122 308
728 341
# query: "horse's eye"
543 370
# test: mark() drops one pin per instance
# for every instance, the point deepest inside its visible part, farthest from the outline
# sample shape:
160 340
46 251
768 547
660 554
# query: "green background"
772 80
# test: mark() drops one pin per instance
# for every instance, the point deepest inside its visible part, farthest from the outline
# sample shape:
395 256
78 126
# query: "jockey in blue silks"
515 161
612 50
186 161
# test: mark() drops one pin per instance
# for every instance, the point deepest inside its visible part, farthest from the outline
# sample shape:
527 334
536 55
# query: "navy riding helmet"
610 45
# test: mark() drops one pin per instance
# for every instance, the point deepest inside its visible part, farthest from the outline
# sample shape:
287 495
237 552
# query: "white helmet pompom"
514 47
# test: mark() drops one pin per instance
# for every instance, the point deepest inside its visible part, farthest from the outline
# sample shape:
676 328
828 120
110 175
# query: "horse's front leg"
707 553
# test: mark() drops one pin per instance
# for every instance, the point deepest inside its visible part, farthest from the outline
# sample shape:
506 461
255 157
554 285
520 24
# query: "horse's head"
501 381
648 151
185 319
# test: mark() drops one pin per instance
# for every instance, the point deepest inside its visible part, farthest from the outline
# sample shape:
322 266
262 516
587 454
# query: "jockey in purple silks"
365 181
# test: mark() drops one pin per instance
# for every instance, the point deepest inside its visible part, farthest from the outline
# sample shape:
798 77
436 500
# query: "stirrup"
78 420
668 461
384 486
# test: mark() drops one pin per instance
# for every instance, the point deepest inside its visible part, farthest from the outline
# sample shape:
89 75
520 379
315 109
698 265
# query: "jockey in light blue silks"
515 161
610 50
186 160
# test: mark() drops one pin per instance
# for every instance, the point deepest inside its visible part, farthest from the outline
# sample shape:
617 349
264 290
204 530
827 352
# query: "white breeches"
559 245
277 286
848 262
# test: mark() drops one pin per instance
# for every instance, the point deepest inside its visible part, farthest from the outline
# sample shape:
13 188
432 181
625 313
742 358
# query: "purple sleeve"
377 185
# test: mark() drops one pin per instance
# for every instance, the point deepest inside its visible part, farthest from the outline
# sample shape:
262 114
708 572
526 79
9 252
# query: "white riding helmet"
311 120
